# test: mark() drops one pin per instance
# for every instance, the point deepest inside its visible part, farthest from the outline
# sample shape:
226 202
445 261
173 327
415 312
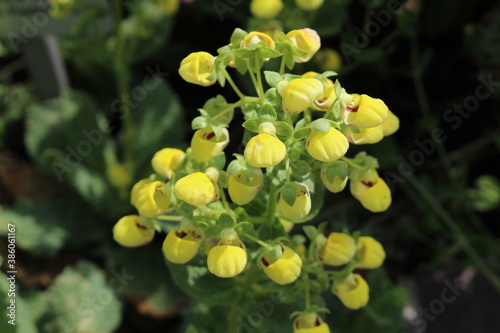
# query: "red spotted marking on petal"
368 184
140 226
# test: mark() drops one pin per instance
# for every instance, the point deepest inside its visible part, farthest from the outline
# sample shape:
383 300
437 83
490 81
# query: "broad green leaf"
226 221
273 78
302 133
267 112
320 125
81 300
159 124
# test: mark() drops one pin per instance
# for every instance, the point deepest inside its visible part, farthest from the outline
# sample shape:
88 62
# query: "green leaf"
186 211
223 179
273 78
234 167
328 74
45 227
226 221
82 301
273 251
24 321
302 123
289 194
283 130
199 122
337 168
310 231
243 228
267 112
191 329
218 161
196 281
252 125
320 125
237 36
300 167
138 279
302 133
159 120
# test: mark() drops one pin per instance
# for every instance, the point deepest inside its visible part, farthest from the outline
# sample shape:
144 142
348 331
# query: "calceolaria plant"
235 216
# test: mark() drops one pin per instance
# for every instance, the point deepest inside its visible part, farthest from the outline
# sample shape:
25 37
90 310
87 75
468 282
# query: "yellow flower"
284 270
337 250
166 161
365 135
226 261
131 231
372 191
205 145
307 40
119 176
153 199
241 191
168 6
180 246
337 185
310 323
365 111
299 94
390 124
371 252
329 59
266 9
327 146
265 149
195 189
300 208
134 193
256 37
197 67
353 292
309 4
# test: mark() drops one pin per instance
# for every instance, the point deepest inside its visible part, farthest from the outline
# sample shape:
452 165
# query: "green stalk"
233 85
457 233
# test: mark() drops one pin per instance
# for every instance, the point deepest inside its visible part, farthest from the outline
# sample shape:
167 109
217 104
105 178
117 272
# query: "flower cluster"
297 134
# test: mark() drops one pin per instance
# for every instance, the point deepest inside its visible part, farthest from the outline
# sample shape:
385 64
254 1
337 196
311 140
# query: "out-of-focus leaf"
83 300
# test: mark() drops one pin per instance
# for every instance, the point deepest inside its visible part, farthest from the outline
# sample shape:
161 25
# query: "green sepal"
320 125
226 221
273 78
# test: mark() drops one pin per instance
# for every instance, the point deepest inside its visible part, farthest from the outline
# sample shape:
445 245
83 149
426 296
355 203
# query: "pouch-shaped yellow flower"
131 231
134 193
180 246
205 145
195 189
256 37
307 40
266 9
365 135
391 124
226 261
338 249
310 323
371 252
365 111
353 292
299 94
166 161
372 191
327 146
240 190
197 67
300 208
336 186
264 150
153 199
284 270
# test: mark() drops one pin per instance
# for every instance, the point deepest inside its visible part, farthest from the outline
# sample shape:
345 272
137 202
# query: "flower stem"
460 236
256 240
259 82
271 206
254 80
351 163
282 65
233 85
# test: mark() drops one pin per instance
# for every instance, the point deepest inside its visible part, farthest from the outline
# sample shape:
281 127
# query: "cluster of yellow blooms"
299 155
